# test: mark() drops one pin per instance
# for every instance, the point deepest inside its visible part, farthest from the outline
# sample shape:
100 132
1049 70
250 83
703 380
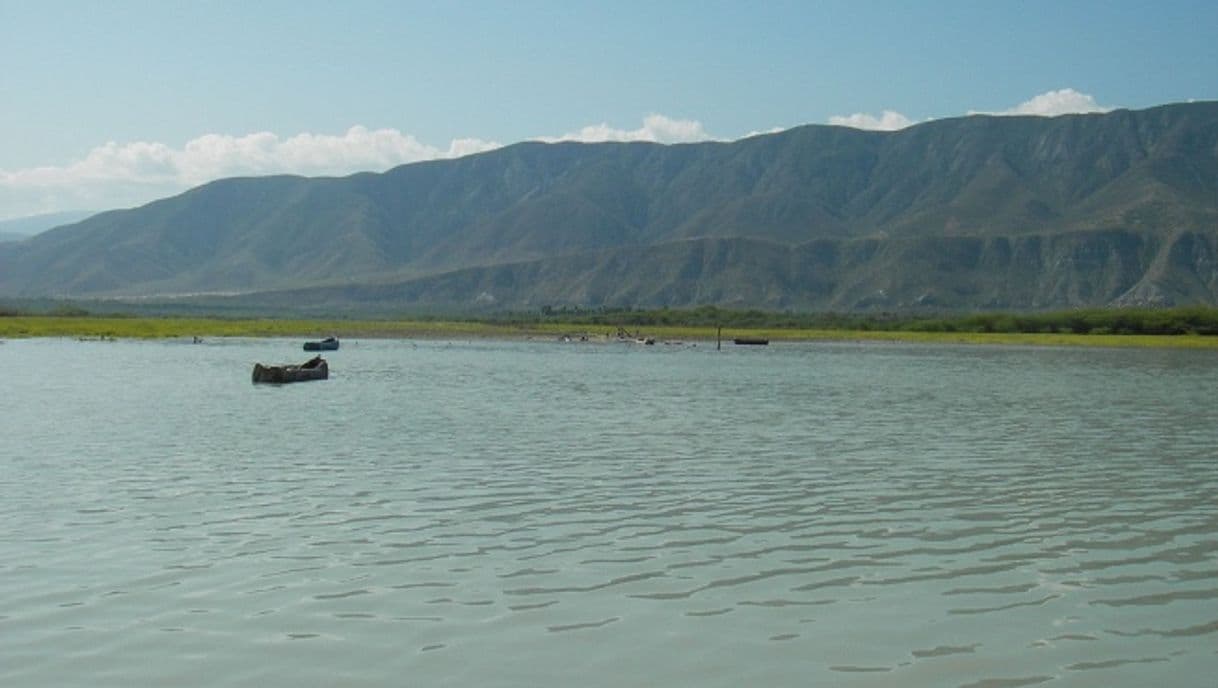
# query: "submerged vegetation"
1188 326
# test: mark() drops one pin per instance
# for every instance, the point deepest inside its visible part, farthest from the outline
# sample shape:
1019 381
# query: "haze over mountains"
979 212
25 227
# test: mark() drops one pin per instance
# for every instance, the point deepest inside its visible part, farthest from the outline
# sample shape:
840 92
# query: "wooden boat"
751 341
327 344
315 368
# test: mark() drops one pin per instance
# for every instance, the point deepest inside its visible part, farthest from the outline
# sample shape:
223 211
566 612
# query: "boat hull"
330 344
315 369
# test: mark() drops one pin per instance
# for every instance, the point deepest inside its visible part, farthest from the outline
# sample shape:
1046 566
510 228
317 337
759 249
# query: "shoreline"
95 328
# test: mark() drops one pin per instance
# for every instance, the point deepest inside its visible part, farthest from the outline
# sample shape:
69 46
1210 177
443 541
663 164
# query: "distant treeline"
1182 320
41 307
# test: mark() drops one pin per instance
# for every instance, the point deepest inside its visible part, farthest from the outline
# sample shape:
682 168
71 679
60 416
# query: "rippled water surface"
547 514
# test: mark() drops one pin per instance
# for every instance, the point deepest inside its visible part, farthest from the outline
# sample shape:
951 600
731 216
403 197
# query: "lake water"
547 514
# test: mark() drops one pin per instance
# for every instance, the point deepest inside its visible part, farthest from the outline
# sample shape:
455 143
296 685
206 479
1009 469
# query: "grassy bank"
168 328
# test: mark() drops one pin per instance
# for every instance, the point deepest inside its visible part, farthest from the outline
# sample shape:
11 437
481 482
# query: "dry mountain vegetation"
990 213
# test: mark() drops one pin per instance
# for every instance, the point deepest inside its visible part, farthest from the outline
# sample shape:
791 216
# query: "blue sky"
113 104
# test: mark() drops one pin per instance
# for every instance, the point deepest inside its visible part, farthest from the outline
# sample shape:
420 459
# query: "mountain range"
979 212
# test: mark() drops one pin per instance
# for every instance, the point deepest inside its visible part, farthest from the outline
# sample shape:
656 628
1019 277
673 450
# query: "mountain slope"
1027 272
1084 208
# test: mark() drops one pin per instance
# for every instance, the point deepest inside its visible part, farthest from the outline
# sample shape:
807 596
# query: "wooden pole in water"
719 339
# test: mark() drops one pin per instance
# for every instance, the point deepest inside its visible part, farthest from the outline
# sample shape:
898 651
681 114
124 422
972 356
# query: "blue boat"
327 344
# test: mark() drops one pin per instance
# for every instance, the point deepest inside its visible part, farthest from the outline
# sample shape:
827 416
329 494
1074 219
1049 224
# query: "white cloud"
889 120
213 156
1066 101
763 132
115 175
656 129
126 174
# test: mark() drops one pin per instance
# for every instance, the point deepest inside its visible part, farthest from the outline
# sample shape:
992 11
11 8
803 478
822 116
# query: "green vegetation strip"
165 328
21 326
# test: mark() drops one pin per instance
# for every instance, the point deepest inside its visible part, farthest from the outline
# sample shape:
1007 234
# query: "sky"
114 104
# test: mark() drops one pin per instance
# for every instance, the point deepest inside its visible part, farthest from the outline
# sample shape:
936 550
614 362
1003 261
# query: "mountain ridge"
1135 187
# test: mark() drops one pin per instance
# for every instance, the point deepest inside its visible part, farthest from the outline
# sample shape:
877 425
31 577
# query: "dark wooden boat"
327 344
751 341
315 368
